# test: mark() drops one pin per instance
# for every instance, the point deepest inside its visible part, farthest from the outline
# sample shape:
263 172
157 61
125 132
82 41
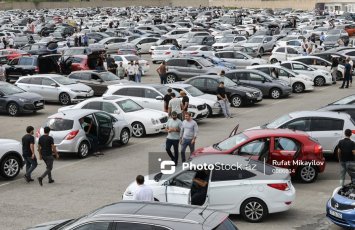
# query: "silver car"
239 59
53 87
261 43
69 135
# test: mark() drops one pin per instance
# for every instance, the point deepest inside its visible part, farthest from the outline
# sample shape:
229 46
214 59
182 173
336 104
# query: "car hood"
243 88
246 44
208 97
79 86
28 95
207 150
48 225
150 113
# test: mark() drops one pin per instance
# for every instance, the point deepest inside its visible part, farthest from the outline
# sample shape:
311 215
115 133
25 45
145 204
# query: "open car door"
105 129
178 190
49 63
284 149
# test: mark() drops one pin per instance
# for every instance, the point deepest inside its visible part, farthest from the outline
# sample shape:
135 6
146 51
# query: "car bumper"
30 107
67 146
198 114
286 92
279 201
309 86
77 97
155 128
252 100
347 219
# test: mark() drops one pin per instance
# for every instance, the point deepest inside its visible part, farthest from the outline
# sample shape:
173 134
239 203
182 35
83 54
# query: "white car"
144 43
161 53
126 60
54 87
197 50
229 41
151 96
320 77
247 190
177 33
298 82
143 121
240 59
214 108
283 53
11 160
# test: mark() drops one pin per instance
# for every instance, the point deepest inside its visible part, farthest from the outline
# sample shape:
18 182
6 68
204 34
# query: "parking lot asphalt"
83 185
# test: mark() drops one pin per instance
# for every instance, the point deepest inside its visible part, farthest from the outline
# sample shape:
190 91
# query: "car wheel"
298 87
307 174
209 111
64 99
170 78
274 60
275 93
154 62
261 51
12 109
236 101
138 129
10 167
339 76
124 136
83 150
319 81
253 210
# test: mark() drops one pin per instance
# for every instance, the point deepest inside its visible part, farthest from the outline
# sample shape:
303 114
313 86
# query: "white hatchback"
11 160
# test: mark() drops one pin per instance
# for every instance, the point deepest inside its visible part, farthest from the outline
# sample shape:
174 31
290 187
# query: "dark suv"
184 68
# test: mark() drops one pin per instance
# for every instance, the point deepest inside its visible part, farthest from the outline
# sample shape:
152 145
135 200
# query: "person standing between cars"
223 100
28 152
173 127
2 73
188 135
47 151
346 151
121 71
175 106
321 38
4 42
11 43
334 69
139 72
110 63
351 70
76 41
166 100
85 40
185 103
143 192
131 71
162 72
347 74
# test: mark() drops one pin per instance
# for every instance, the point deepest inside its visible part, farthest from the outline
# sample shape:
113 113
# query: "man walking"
188 135
347 74
334 69
223 100
143 192
167 99
162 72
175 106
346 150
28 152
47 150
173 127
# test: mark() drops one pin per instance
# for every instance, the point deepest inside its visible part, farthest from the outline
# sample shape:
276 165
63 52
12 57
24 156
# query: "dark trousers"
31 164
162 79
345 80
49 163
131 77
184 144
175 144
94 141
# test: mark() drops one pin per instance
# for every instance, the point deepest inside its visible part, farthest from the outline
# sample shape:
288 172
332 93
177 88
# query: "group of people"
81 40
134 71
7 43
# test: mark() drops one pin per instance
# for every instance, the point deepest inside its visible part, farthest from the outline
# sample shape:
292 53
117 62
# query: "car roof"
255 133
179 85
318 114
42 75
73 113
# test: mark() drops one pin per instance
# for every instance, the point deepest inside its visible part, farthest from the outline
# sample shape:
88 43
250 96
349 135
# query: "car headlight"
24 100
249 95
192 106
76 91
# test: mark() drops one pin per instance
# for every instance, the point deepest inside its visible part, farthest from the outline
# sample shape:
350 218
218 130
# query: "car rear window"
26 61
227 224
59 124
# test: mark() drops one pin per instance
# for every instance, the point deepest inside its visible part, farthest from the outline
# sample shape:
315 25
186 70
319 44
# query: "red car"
79 62
294 151
12 53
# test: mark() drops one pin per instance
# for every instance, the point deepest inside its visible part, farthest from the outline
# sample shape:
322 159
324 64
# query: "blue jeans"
31 164
343 170
162 79
184 144
138 77
175 144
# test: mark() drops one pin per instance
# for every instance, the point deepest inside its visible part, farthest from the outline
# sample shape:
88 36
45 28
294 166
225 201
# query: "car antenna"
63 113
201 213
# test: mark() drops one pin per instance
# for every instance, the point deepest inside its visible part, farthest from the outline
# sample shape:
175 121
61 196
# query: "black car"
328 56
238 95
36 48
15 100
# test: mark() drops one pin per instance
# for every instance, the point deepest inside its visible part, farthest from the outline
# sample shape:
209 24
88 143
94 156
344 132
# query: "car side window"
255 77
238 56
95 77
150 93
212 84
302 124
184 179
306 61
47 82
204 48
85 76
226 55
121 92
228 175
286 65
258 147
264 70
281 50
283 73
286 144
135 92
75 76
93 105
192 63
36 81
25 80
291 51
242 76
108 107
198 83
326 124
94 226
136 226
299 67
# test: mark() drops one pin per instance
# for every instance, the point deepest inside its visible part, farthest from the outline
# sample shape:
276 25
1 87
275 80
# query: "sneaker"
27 179
51 181
40 181
31 179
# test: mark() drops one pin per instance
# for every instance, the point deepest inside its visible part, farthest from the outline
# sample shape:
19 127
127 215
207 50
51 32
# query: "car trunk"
49 63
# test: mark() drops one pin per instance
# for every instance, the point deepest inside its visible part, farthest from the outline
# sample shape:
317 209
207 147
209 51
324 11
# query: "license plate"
39 103
259 98
336 214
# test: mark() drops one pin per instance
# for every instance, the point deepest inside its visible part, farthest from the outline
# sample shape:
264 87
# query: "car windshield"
279 121
345 101
129 106
64 80
164 90
193 91
231 142
227 224
205 63
59 124
226 40
132 58
331 38
228 82
8 89
108 76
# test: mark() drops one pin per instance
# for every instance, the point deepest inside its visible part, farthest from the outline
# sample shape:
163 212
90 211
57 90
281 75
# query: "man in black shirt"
346 151
185 103
47 150
223 100
166 99
28 153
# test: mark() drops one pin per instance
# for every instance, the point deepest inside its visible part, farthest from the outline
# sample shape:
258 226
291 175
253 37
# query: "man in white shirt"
143 192
175 105
131 71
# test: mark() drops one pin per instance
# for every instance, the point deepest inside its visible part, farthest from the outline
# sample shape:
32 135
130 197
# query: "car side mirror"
264 41
166 183
159 98
54 85
245 58
199 67
116 112
264 80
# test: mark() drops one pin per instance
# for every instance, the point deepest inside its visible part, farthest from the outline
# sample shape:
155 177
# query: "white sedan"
161 53
11 160
143 121
126 60
197 50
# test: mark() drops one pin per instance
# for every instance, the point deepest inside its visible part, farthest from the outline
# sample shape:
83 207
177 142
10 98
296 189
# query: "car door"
13 69
104 128
283 75
50 89
268 43
291 52
300 68
178 189
100 86
35 85
260 82
241 60
328 131
199 83
227 56
280 54
135 93
211 86
194 68
240 78
283 151
152 99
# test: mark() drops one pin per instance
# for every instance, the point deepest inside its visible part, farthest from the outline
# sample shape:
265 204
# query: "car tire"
275 93
339 76
236 101
154 62
64 99
261 51
83 150
171 78
319 81
209 111
10 166
298 87
307 173
138 129
12 109
124 136
274 60
253 210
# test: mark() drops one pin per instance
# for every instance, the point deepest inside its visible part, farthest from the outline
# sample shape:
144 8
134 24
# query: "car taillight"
193 53
318 149
279 186
71 135
38 133
37 69
166 53
353 131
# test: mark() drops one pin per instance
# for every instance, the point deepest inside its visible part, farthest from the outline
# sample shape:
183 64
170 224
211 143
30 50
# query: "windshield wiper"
215 146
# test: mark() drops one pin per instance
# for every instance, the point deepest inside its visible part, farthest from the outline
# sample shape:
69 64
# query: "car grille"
201 107
163 120
256 94
340 206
